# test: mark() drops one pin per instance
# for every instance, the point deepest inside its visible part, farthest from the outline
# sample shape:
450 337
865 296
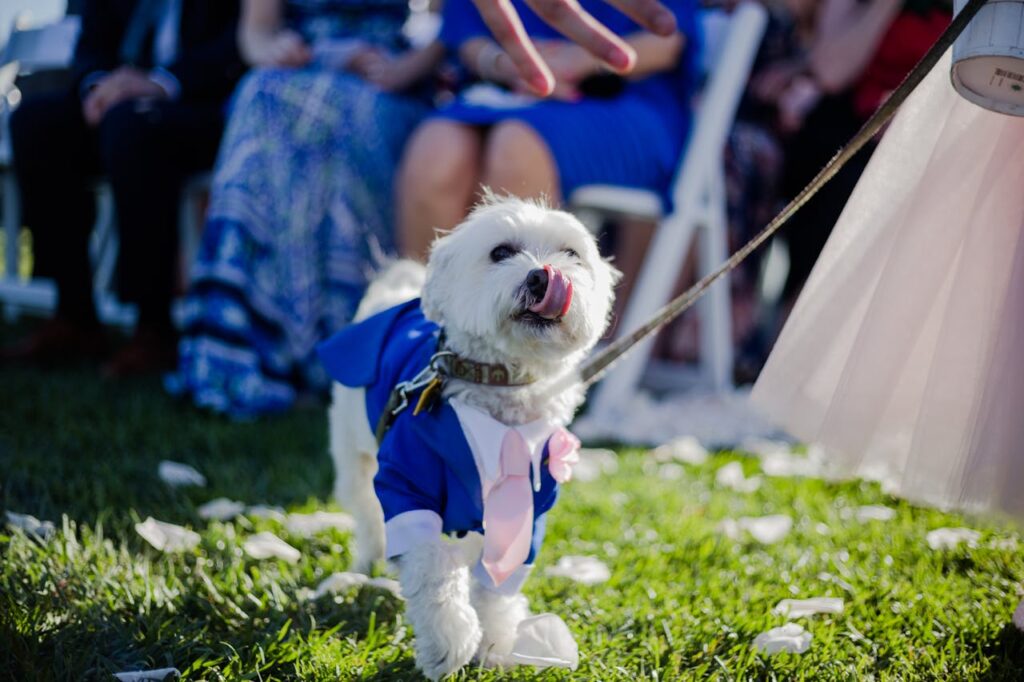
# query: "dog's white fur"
479 304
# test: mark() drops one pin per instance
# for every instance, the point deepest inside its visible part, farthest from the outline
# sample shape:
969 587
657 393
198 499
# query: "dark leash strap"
595 367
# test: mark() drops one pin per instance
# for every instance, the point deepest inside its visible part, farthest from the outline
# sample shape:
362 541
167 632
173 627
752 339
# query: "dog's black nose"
537 282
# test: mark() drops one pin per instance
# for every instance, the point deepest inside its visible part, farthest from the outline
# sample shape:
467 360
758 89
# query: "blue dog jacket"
434 466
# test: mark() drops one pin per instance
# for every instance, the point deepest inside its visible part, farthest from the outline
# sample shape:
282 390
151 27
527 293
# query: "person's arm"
848 35
262 39
99 41
397 73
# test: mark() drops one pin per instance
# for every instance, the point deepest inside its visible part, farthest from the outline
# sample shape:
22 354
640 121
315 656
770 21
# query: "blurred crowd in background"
340 133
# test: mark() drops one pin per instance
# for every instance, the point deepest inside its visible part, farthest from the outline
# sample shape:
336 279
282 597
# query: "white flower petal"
319 521
764 529
176 474
790 638
1018 617
588 570
951 538
221 509
798 608
544 641
31 525
595 463
266 545
167 537
731 476
145 675
263 511
687 450
670 471
874 512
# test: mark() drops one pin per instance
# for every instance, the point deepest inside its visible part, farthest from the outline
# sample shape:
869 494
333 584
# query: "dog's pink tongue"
557 298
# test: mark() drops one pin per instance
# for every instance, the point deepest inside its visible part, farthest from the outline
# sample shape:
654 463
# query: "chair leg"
716 346
12 225
657 277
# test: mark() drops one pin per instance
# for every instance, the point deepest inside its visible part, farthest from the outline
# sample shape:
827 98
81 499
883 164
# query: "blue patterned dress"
300 216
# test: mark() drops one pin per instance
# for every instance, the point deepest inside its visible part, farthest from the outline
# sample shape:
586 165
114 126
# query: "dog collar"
454 366
464 369
429 382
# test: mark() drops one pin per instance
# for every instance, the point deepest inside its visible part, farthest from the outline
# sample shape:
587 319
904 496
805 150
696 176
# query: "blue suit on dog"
429 480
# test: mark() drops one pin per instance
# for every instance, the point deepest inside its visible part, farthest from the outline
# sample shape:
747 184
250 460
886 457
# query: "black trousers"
145 149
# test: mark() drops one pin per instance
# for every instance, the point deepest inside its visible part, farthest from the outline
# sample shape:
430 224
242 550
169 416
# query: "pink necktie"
508 511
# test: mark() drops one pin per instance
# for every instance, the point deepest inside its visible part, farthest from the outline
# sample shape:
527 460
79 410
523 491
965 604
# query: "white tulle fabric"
904 355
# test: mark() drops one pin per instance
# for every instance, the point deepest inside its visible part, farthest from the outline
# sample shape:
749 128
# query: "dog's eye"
570 252
503 252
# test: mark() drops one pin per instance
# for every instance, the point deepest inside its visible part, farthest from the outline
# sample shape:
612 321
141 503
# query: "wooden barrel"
988 57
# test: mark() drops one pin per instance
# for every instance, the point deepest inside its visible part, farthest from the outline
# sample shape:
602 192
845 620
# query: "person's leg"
55 161
518 161
148 149
436 182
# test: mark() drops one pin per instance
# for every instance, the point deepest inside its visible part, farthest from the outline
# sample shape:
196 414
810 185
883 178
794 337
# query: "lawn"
683 602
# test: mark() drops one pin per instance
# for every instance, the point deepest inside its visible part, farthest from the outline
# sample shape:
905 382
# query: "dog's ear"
439 279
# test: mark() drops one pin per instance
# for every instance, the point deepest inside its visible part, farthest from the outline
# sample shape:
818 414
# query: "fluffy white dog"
512 301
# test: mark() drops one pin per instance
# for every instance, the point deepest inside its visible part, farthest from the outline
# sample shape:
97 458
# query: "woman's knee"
441 158
518 160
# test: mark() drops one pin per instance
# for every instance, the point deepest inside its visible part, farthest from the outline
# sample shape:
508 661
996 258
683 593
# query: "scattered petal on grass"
31 525
790 638
544 641
167 537
779 460
588 570
266 545
731 476
319 521
1018 617
1005 544
871 512
221 509
141 675
176 474
798 608
951 538
670 471
263 511
343 581
594 463
764 529
687 450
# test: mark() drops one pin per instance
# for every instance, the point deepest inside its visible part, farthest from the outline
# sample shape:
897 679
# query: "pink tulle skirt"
904 356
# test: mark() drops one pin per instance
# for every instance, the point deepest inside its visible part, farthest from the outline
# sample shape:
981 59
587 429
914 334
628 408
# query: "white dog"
512 300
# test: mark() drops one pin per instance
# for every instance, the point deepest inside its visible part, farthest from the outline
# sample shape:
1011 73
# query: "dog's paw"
452 642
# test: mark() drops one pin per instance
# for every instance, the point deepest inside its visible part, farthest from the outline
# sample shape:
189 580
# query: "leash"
594 369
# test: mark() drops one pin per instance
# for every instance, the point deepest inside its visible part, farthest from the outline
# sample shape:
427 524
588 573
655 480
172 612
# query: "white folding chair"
699 210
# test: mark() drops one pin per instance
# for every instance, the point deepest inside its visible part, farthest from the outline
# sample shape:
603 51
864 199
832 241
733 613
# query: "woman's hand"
394 73
580 27
263 42
285 48
569 64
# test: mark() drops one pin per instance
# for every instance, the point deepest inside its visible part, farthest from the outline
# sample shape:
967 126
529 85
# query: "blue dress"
634 139
300 216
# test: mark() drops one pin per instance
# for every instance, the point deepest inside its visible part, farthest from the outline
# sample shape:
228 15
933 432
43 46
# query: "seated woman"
300 210
596 128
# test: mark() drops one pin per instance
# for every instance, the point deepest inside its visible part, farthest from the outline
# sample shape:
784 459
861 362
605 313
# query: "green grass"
683 602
